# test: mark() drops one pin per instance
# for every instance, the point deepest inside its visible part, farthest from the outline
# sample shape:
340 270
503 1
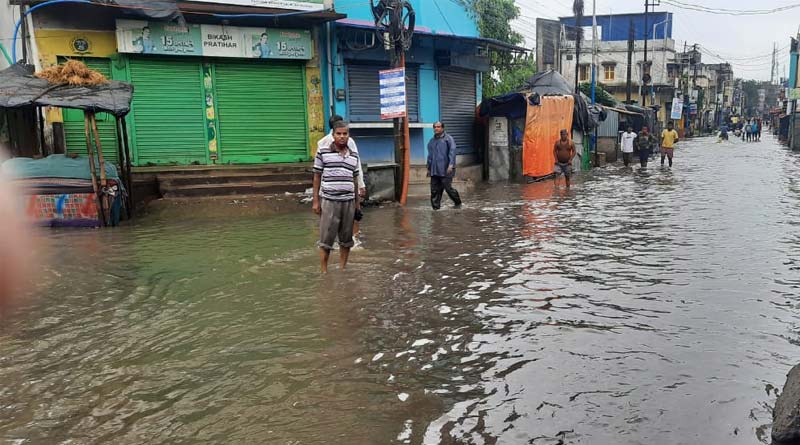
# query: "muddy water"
638 308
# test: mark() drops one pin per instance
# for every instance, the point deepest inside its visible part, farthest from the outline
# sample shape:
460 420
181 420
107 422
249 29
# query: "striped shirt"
338 172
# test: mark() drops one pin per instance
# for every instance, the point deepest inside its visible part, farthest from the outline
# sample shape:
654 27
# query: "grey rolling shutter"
363 93
457 102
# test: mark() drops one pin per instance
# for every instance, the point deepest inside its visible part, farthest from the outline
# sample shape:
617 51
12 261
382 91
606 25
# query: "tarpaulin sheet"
20 88
53 166
154 9
543 126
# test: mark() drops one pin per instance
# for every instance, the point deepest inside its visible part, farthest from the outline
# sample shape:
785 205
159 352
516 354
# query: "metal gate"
168 125
262 112
363 93
457 102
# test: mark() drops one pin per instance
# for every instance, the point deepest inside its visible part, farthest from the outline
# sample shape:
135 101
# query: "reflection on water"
638 307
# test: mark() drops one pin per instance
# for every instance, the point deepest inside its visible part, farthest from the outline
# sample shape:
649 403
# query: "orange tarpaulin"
543 125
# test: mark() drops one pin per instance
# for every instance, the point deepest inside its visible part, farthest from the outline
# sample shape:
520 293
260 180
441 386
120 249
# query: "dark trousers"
626 158
644 154
440 184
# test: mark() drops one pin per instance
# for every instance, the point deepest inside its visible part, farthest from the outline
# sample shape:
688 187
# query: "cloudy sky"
745 41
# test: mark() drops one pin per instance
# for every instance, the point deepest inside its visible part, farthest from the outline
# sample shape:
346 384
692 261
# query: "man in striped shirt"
336 171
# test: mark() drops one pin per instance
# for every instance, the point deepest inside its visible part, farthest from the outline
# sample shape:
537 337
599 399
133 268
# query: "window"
608 71
583 75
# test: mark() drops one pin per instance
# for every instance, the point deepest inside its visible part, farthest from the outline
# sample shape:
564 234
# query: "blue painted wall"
793 67
443 17
615 27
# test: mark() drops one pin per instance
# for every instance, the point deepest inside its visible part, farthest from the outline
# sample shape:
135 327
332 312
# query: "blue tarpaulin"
53 166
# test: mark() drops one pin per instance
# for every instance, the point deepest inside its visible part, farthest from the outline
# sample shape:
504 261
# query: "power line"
723 11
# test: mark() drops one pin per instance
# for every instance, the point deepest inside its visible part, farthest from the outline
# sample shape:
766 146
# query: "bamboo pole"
103 179
92 171
121 159
129 172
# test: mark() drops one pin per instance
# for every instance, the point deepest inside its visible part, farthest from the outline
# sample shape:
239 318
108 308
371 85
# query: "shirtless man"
564 152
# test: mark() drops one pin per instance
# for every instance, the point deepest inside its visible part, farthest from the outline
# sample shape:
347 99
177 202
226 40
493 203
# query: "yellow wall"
66 42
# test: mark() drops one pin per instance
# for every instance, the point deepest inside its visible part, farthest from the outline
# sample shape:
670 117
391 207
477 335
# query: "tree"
603 97
509 71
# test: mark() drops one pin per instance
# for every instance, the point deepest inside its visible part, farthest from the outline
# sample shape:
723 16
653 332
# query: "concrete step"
231 189
172 180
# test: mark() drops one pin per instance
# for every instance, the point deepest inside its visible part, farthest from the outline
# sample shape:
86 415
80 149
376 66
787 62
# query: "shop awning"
20 88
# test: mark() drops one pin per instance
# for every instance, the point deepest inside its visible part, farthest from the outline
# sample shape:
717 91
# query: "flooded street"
638 308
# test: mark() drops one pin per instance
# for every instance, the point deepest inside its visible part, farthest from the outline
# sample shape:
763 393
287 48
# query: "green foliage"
509 72
602 96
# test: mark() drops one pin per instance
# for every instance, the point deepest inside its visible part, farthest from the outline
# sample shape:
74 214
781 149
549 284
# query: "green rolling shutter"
261 110
74 135
168 113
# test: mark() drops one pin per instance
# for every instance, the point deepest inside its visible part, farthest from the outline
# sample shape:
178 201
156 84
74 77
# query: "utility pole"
594 51
772 74
646 78
394 26
631 40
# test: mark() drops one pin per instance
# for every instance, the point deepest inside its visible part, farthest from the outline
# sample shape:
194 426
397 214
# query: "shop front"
203 94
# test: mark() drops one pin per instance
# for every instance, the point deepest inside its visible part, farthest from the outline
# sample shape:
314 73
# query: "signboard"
302 5
794 94
140 37
677 109
393 93
692 108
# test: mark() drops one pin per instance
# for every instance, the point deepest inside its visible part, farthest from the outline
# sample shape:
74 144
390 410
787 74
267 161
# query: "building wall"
377 144
8 18
659 54
616 27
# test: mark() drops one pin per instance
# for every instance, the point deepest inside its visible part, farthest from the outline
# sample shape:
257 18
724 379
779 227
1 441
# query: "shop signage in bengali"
393 93
140 37
677 109
302 5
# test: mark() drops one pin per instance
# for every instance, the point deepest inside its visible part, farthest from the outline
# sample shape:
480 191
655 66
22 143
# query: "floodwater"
657 307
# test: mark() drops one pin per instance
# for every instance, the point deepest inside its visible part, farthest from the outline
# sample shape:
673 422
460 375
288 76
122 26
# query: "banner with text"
140 37
677 109
393 93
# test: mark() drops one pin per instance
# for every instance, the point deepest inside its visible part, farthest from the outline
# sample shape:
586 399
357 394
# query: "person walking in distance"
628 139
442 166
669 138
645 142
334 195
564 152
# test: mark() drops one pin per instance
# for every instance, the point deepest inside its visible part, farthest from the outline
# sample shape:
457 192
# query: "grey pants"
336 221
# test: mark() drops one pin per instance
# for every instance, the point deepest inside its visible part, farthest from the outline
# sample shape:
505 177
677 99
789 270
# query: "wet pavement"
640 307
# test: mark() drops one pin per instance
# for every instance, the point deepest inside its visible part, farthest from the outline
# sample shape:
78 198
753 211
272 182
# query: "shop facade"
204 93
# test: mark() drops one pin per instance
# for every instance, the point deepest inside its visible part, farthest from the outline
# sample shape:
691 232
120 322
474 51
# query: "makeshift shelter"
20 89
517 106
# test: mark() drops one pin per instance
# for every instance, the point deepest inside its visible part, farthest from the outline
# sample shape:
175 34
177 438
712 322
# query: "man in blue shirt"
442 166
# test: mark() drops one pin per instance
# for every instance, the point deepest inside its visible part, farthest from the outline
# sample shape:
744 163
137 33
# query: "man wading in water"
335 186
564 152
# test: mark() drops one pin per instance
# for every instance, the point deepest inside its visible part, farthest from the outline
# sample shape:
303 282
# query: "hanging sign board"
140 37
301 5
794 94
393 93
677 109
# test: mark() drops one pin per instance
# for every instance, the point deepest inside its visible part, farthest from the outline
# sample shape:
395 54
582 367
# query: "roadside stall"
70 189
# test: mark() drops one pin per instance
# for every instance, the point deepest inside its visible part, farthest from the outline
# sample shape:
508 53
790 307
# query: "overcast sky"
739 37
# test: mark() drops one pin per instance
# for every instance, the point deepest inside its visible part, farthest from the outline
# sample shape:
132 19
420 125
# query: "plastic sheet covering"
19 88
542 128
53 166
154 9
